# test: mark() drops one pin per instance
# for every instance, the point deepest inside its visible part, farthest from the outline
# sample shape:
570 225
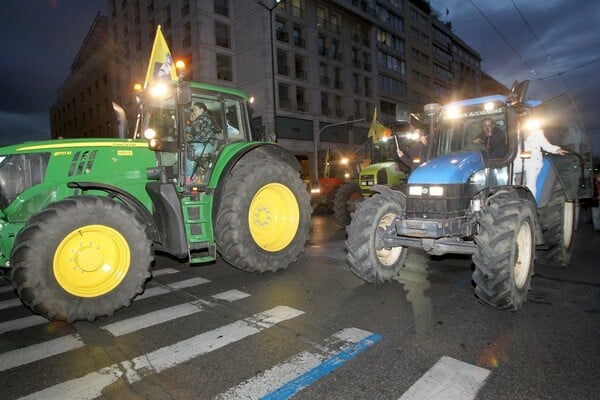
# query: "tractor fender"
125 198
388 191
265 149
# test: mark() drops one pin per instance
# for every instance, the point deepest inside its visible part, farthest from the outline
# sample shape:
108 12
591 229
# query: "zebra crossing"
282 381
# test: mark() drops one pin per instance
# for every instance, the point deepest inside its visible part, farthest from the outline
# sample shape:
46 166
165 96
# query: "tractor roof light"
180 68
452 112
149 134
532 124
159 90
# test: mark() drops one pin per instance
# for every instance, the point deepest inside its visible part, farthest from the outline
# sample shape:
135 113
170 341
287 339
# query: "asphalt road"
315 331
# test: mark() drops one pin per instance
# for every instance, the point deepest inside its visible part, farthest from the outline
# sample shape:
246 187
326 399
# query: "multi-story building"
309 64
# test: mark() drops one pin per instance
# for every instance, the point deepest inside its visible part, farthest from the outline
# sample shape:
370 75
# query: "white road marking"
448 379
39 351
4 289
90 386
231 295
155 291
273 378
164 271
10 303
34 320
168 314
21 323
152 318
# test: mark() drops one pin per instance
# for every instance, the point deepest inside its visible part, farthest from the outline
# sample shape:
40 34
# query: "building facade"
317 69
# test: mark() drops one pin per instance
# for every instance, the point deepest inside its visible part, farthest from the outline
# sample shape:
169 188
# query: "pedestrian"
418 152
534 142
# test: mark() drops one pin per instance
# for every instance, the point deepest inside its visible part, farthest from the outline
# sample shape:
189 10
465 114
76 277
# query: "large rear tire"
81 258
367 258
346 192
505 249
558 224
263 220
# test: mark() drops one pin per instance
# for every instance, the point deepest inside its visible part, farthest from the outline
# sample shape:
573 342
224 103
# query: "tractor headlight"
420 190
415 190
436 191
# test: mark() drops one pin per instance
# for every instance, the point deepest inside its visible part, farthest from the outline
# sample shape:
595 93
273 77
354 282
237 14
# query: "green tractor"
81 219
383 170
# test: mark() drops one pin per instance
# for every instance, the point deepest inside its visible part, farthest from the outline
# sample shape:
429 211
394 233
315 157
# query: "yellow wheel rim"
91 261
273 217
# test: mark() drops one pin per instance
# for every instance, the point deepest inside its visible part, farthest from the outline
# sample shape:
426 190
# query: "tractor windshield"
473 128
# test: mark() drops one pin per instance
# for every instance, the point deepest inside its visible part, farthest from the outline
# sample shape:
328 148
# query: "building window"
298 40
284 97
222 35
221 7
224 70
301 103
185 8
299 66
325 108
323 74
282 63
321 17
336 23
186 34
297 8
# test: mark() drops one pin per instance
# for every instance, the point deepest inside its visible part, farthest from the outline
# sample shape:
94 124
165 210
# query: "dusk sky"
553 43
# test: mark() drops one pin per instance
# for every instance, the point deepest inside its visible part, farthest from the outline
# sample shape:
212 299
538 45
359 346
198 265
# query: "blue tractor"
469 199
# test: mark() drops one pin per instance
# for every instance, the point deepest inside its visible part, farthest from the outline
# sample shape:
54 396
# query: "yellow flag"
161 65
378 130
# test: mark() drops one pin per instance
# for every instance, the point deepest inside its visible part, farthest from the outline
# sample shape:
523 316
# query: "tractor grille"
20 172
82 162
453 204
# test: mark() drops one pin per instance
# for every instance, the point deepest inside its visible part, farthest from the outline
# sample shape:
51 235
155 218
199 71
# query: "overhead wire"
546 55
506 41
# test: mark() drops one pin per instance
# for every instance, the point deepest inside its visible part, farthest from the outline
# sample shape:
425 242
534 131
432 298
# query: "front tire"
346 192
505 249
366 257
81 258
558 224
264 216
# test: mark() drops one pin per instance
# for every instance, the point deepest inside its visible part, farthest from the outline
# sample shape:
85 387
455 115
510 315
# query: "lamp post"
270 10
316 138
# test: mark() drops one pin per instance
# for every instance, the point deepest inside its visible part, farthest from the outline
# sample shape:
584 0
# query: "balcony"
324 81
339 85
323 51
282 36
283 70
326 111
302 107
285 104
302 75
299 42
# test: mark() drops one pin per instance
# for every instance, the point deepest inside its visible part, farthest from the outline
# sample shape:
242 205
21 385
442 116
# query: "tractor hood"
448 169
373 168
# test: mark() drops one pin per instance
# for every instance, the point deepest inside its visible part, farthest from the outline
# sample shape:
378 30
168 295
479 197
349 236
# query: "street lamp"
270 10
316 137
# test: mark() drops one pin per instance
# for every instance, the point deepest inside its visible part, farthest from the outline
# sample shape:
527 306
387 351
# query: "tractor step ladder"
198 224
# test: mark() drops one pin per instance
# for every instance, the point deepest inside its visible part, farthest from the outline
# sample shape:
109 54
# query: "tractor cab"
189 134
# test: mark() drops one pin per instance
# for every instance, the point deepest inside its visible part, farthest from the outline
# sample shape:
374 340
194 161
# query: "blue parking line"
294 386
